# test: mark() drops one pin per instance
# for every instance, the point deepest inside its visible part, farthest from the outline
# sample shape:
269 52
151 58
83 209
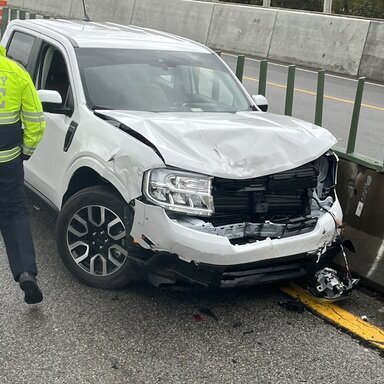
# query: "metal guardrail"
20 14
349 153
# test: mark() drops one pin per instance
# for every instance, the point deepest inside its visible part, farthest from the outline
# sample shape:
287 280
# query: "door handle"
69 136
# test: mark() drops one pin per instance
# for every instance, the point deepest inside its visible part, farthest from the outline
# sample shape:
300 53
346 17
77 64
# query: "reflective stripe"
9 154
9 121
9 117
28 150
34 119
7 114
33 114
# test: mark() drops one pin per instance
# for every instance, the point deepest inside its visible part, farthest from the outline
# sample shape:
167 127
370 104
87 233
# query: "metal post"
240 67
327 6
263 77
266 3
320 98
4 23
13 14
290 90
355 116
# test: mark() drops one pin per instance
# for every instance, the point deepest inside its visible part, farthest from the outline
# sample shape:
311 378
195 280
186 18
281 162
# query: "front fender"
118 171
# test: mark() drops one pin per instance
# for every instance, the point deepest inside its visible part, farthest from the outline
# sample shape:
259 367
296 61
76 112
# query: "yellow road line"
348 101
339 316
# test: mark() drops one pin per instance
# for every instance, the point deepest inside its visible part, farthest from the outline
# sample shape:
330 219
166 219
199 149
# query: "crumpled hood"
237 146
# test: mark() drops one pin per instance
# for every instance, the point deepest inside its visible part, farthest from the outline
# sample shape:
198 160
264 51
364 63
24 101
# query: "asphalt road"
149 335
338 104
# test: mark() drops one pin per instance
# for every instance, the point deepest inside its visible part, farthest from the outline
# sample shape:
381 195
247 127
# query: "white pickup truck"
162 166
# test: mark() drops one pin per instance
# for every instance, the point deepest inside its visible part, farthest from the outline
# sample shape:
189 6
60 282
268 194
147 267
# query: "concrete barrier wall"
361 193
118 11
334 43
338 44
17 3
372 62
54 7
185 18
242 29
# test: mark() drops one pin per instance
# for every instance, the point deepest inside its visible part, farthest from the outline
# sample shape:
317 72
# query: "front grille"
280 197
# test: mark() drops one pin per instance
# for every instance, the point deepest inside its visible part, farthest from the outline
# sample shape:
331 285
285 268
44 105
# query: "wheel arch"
88 173
85 177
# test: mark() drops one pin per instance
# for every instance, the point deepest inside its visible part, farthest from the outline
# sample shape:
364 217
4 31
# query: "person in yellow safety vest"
19 106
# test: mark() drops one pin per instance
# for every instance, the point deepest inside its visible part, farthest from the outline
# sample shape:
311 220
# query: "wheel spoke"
92 268
112 224
72 229
92 219
82 257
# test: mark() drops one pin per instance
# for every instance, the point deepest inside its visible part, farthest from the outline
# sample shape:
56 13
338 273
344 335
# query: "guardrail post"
240 67
290 90
320 97
5 20
355 116
327 8
263 77
13 14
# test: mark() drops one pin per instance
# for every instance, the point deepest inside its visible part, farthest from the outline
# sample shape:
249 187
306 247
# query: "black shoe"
28 284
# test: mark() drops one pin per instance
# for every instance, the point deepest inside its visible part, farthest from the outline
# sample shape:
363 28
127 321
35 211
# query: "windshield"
158 81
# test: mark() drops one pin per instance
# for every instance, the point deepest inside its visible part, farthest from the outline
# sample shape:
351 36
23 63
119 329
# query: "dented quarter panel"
237 146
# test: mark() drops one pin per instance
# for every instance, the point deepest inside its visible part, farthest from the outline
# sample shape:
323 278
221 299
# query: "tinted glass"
20 47
158 81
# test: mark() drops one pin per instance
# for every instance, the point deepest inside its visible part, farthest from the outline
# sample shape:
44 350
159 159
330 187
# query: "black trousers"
14 221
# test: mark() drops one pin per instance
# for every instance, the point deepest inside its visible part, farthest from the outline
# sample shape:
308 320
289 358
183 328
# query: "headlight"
178 191
326 166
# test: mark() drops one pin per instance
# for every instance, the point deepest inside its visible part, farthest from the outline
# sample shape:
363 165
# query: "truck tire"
91 237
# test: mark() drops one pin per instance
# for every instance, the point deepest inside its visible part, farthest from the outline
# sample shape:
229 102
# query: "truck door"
44 171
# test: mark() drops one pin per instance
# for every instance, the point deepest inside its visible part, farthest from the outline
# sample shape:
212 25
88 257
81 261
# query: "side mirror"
52 102
48 96
261 102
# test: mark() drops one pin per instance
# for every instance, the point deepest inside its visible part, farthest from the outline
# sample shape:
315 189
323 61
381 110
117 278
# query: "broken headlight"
326 167
179 191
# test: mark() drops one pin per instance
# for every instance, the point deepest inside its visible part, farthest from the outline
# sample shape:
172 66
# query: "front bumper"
154 230
165 268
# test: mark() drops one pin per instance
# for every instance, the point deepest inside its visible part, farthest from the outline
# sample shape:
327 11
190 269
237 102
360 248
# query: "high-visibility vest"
19 105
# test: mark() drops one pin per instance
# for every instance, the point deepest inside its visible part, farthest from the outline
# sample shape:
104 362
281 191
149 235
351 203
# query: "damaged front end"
222 232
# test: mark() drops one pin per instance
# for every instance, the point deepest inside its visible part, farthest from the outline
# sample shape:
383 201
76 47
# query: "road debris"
294 305
209 313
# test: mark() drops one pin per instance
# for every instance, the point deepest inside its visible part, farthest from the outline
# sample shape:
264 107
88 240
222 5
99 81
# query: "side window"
20 47
52 74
